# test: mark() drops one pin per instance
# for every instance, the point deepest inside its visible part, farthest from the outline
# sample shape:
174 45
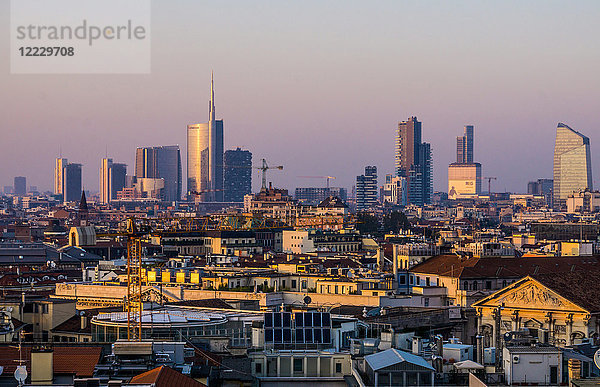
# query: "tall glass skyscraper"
205 156
161 162
414 161
238 174
464 146
58 175
112 179
572 164
72 182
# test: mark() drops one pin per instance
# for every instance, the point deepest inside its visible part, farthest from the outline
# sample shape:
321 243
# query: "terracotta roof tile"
164 376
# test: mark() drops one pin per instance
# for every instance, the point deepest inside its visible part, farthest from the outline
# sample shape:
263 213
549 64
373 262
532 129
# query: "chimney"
42 366
83 320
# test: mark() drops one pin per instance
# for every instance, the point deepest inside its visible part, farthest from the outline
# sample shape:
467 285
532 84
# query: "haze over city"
320 88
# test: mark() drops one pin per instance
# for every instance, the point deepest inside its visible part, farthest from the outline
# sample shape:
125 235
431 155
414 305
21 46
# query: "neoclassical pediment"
529 294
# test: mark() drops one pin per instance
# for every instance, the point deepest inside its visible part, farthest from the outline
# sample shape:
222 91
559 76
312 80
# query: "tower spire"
211 104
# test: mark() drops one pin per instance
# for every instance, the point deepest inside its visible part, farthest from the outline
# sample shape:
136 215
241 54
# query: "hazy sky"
319 87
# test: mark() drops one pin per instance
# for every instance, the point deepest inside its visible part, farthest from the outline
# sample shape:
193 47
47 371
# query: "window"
411 280
474 285
294 284
418 281
403 280
488 284
427 281
338 368
466 286
426 301
258 368
298 365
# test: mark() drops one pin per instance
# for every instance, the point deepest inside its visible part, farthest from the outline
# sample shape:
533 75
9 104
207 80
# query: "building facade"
20 186
205 156
59 167
315 195
112 179
464 180
464 146
238 174
414 161
366 189
161 162
572 164
72 182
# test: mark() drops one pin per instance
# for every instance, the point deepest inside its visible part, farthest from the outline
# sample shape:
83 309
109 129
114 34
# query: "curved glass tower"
572 164
205 156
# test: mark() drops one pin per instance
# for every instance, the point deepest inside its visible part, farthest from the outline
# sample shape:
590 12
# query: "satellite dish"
307 300
597 358
21 374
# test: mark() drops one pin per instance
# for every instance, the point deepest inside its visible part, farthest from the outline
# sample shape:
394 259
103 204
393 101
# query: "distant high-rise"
315 195
366 189
205 156
72 182
58 175
161 162
414 161
20 186
572 164
112 179
238 175
464 146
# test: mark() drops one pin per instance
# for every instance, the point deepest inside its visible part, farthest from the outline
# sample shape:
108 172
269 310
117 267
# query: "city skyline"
510 97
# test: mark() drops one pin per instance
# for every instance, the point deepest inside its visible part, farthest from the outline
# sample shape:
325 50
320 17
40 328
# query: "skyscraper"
112 179
72 182
58 175
464 176
238 174
20 186
205 156
161 162
572 164
414 161
464 146
366 189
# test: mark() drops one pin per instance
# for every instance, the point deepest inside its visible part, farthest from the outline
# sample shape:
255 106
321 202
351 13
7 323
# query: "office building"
238 175
572 164
414 161
315 195
112 179
72 182
59 168
20 186
464 176
161 162
366 189
464 180
205 156
464 146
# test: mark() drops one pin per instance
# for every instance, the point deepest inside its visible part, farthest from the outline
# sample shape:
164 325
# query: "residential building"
395 190
572 164
583 202
161 162
366 189
238 174
315 195
205 156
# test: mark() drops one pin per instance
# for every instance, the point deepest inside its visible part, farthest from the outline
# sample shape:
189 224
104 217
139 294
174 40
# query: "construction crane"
319 177
264 168
133 302
489 179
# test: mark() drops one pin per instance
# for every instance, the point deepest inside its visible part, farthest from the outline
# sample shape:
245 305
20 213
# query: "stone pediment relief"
530 295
